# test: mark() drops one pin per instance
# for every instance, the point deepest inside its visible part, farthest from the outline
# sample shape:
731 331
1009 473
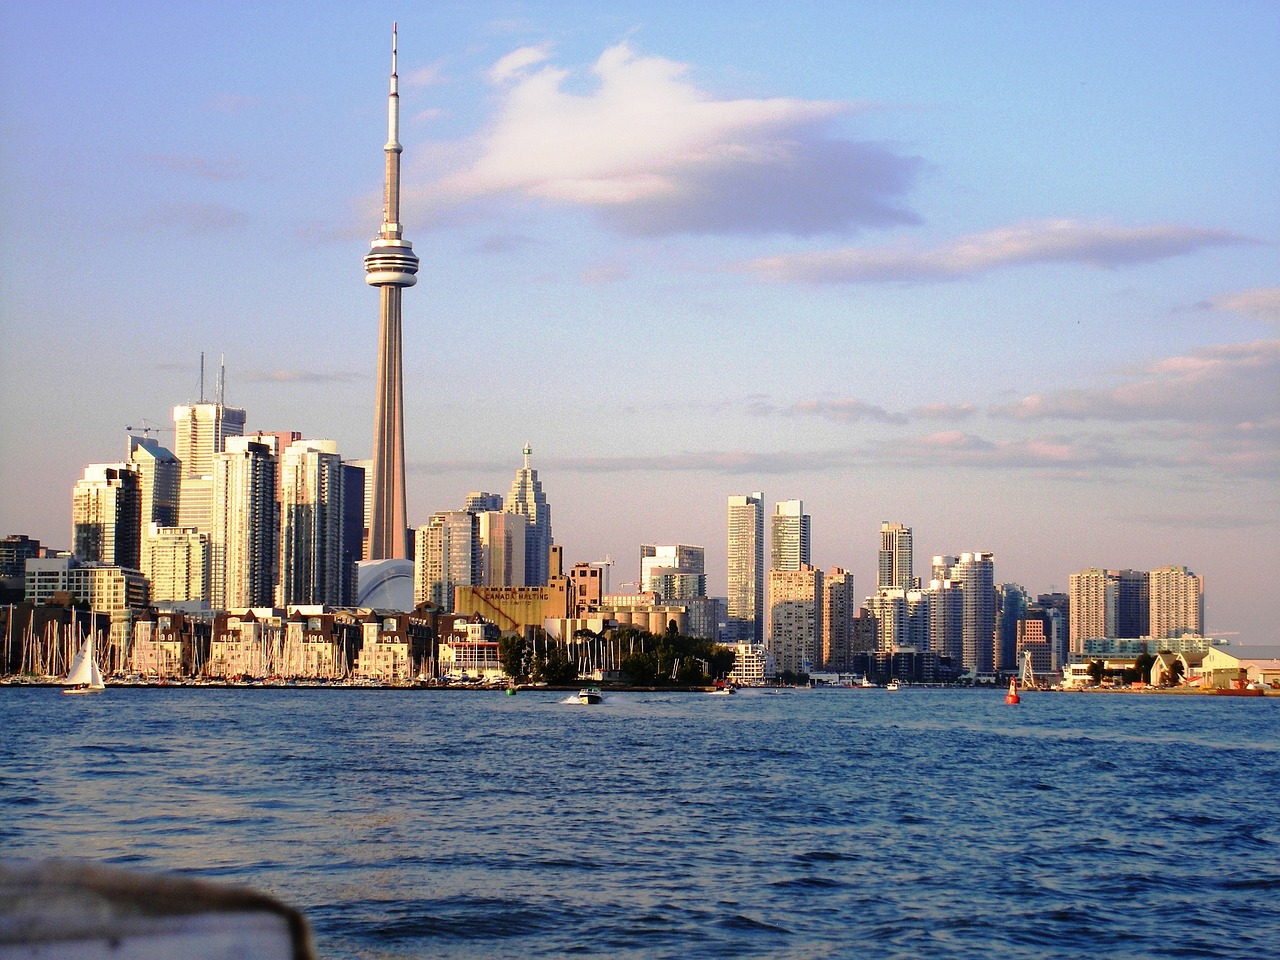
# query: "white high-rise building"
1177 602
789 529
975 573
673 571
312 525
447 556
200 434
527 498
175 560
745 602
896 565
1092 607
106 511
795 618
244 554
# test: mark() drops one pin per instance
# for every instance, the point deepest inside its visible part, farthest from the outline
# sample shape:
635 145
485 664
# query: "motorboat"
893 686
590 695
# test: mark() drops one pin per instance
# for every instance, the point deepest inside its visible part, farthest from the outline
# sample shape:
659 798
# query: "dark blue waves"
805 824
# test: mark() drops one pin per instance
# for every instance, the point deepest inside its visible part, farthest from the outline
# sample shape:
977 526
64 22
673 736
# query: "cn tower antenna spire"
391 265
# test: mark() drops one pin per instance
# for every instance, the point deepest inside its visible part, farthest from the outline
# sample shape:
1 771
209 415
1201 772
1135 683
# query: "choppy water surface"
791 824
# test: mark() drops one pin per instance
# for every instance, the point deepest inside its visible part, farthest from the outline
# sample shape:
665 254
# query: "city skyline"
994 273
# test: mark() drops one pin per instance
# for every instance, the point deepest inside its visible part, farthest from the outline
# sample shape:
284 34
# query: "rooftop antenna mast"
222 379
202 376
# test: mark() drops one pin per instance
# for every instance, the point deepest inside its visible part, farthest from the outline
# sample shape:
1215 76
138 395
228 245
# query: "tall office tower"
839 607
975 572
789 530
312 525
354 528
159 473
503 538
244 543
1091 607
106 512
896 563
1012 602
175 561
940 568
744 606
391 265
200 432
479 502
795 618
946 618
447 556
1177 603
366 481
1133 603
526 497
673 571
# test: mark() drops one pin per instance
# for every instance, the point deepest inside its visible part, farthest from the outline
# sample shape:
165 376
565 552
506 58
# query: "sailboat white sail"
84 676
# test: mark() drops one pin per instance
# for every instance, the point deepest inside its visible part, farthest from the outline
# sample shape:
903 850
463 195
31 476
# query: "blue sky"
1004 272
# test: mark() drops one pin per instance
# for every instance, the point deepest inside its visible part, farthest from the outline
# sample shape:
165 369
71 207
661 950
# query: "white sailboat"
84 676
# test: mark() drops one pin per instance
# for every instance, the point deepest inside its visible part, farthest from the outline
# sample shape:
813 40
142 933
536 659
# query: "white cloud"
653 154
516 63
1098 244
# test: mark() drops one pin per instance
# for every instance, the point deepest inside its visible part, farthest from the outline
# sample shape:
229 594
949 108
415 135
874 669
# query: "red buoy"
1012 695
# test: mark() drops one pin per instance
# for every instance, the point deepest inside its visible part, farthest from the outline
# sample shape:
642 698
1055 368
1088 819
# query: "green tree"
512 654
1096 670
1143 665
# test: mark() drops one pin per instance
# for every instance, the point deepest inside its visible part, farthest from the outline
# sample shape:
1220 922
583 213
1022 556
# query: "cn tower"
390 266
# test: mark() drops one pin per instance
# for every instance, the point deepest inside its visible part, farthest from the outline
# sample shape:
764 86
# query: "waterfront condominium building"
940 568
839 607
106 512
789 533
975 573
1177 603
313 553
175 560
673 571
946 618
447 556
901 618
795 618
527 498
1091 609
896 564
744 606
243 545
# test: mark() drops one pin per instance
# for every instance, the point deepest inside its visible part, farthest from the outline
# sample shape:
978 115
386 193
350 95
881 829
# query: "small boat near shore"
590 695
84 675
893 686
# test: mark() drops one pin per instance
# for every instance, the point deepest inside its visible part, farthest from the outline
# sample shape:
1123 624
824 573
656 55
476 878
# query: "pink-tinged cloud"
1260 303
1226 384
652 154
1054 241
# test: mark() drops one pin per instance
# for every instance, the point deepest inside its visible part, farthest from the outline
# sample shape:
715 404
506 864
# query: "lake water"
926 823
